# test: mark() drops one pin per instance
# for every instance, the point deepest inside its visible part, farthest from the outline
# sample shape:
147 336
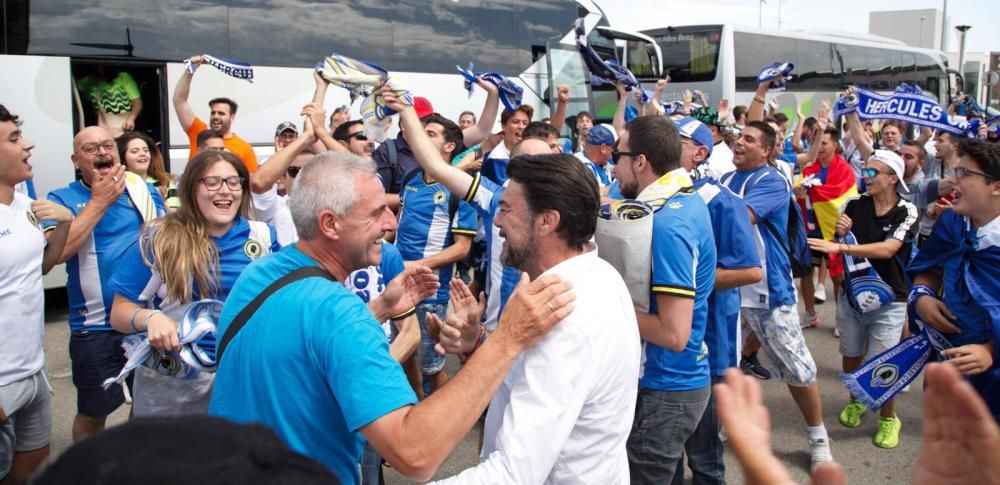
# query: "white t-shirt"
273 209
564 411
720 162
22 296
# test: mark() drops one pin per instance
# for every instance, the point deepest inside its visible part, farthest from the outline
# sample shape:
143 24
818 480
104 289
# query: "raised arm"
618 122
797 136
181 92
854 126
483 129
268 174
558 118
756 110
454 179
105 192
323 140
822 121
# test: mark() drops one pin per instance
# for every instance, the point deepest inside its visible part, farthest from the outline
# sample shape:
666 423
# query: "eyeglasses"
962 172
870 173
293 171
617 154
214 182
92 148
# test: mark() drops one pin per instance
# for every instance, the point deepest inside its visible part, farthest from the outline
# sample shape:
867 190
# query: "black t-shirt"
899 223
405 163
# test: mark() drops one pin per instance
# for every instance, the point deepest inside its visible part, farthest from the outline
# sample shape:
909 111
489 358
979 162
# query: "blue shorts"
96 356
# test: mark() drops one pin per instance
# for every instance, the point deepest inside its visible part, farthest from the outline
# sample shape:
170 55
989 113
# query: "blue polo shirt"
312 363
425 229
734 239
684 259
767 193
90 269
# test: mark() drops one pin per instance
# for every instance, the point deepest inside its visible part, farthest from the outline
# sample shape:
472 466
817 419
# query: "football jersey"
369 283
485 196
22 297
90 269
426 228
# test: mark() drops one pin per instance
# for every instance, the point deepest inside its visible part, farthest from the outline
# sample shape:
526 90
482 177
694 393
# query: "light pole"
962 29
760 14
920 38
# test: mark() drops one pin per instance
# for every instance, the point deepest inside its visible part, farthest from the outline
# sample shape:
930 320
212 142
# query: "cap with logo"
422 106
695 131
286 126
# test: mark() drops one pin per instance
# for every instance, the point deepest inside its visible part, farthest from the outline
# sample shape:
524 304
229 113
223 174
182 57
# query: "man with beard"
108 209
223 113
561 414
675 384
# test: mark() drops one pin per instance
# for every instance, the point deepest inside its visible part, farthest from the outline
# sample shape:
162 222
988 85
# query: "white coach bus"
48 45
723 61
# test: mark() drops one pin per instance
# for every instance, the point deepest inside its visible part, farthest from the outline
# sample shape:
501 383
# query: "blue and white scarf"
886 374
604 72
229 67
197 333
364 79
908 104
777 70
866 291
510 93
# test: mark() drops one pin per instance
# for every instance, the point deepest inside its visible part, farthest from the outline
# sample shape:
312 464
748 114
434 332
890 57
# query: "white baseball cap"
895 162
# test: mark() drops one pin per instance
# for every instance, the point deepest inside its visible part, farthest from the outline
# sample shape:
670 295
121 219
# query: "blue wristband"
918 291
131 320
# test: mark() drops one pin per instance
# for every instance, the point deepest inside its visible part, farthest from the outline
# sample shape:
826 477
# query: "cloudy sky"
849 15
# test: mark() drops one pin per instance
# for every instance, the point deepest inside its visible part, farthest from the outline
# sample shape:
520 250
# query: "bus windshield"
690 54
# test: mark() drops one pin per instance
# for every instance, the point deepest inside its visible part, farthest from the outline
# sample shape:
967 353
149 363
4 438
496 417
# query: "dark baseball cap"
288 125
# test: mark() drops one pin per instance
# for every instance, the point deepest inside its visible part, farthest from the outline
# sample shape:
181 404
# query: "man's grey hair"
327 182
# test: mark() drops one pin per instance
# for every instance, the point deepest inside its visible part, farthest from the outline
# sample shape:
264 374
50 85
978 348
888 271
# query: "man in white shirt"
25 400
562 413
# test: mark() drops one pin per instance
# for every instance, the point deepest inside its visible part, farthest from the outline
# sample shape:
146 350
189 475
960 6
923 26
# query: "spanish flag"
838 186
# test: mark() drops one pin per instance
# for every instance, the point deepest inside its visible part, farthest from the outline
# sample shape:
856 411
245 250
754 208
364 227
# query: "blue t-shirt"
312 363
600 174
369 283
238 247
91 267
425 229
766 192
734 240
684 259
484 196
614 192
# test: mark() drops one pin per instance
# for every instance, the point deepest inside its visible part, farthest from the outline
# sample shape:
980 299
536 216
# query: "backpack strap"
393 161
244 316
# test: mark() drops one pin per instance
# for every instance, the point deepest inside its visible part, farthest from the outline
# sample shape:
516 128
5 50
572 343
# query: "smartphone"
479 152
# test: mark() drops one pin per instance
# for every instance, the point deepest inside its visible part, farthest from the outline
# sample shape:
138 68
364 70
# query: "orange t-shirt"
235 144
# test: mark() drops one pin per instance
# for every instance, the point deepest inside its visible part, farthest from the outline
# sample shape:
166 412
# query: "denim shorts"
781 337
869 334
28 405
430 362
96 356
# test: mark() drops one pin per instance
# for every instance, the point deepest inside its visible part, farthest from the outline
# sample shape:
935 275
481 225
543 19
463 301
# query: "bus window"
814 67
754 51
640 60
689 55
851 63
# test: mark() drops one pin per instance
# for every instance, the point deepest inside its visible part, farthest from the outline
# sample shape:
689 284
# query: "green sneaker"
888 432
852 413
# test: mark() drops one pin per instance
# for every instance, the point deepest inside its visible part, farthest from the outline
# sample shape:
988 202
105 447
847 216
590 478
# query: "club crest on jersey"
253 249
32 219
439 197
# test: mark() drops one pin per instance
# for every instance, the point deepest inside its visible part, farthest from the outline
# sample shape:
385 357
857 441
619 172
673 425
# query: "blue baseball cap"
601 134
696 131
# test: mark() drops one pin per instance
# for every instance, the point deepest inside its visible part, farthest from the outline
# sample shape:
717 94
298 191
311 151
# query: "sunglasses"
617 154
870 173
357 136
293 171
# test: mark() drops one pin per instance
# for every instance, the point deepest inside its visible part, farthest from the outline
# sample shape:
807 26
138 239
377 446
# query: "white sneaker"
820 294
819 451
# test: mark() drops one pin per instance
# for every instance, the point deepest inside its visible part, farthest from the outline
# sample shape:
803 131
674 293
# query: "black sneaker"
752 367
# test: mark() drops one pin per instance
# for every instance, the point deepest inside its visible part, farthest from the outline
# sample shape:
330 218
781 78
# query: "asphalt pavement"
852 448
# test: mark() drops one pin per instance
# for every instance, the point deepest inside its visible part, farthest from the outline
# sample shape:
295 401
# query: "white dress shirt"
564 412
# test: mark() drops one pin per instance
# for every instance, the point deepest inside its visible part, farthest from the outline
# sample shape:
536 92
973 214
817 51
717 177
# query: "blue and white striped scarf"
229 67
774 71
511 94
364 79
604 72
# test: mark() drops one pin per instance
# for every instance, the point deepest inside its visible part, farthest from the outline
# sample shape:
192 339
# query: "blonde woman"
141 156
194 253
